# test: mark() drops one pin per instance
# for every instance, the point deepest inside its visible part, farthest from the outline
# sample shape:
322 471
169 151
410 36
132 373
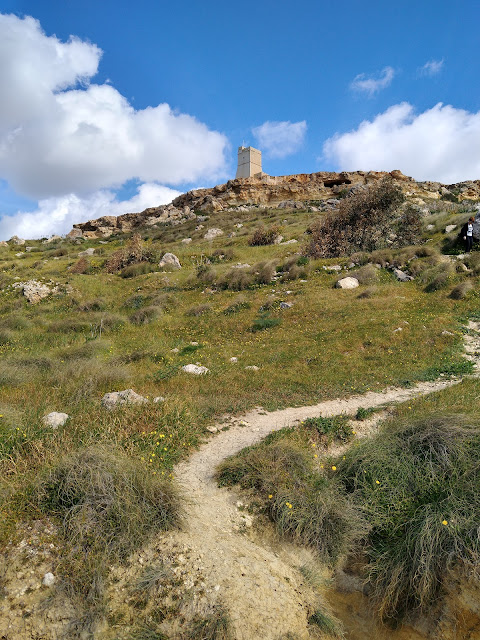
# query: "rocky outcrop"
314 190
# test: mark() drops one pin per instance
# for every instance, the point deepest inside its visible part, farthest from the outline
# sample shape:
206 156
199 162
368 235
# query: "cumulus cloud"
280 139
372 85
59 134
441 144
57 215
431 68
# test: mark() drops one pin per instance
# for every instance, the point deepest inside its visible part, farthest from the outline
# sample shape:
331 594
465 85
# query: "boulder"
401 275
34 291
170 260
117 398
87 252
290 242
278 239
55 419
332 267
3 243
55 238
186 241
195 369
75 233
430 227
48 579
286 305
347 283
17 241
213 233
450 227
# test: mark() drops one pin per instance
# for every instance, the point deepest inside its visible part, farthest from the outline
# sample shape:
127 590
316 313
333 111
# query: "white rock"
450 227
48 579
278 240
3 243
289 242
213 233
397 330
55 238
17 255
332 267
430 227
239 225
199 227
170 260
347 283
241 266
29 249
233 359
128 396
401 275
186 241
447 333
33 290
55 419
159 399
16 240
252 367
195 369
194 344
87 252
175 350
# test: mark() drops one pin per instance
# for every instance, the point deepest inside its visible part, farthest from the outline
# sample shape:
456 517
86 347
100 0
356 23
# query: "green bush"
237 305
264 321
329 429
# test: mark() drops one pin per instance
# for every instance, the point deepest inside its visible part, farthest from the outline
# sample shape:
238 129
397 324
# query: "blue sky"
315 85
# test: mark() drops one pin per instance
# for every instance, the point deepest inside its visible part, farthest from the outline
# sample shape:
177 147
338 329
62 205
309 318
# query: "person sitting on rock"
467 234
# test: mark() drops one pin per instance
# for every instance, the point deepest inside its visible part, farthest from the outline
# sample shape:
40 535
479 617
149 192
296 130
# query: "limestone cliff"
304 189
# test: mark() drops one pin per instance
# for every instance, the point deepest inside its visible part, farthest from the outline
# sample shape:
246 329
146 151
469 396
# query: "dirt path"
264 593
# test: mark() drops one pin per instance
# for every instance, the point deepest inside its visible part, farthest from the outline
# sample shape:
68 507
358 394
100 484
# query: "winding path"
259 584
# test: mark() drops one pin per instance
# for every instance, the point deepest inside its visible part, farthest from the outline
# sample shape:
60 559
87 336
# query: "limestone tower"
249 162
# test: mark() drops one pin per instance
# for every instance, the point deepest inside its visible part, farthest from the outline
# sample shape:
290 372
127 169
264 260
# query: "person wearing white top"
467 234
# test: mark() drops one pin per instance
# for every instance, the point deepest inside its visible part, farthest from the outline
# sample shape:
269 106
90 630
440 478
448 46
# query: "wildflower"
315 455
334 468
270 496
445 522
377 482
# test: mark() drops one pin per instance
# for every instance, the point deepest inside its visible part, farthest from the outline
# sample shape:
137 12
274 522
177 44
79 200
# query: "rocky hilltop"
315 191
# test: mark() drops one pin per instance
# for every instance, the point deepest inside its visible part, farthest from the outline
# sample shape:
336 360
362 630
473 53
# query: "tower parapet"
249 162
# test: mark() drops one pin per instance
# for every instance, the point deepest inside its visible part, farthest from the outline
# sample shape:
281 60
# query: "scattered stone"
87 252
195 369
48 579
347 283
278 240
55 419
17 241
212 429
241 266
252 367
175 350
18 255
332 267
430 227
401 275
199 227
128 396
194 344
28 249
286 305
170 260
289 242
447 333
158 400
213 233
460 256
33 290
186 241
233 359
397 329
239 225
450 227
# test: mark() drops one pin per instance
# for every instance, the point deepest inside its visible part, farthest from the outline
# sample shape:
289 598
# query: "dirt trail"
264 593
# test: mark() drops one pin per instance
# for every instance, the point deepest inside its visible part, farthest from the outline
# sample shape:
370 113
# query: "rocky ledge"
312 190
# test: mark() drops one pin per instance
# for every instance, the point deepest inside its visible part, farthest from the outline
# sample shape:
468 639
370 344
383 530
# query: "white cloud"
431 68
441 144
372 85
58 214
280 139
59 134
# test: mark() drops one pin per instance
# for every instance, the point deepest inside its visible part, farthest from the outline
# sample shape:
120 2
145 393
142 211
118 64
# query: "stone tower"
249 162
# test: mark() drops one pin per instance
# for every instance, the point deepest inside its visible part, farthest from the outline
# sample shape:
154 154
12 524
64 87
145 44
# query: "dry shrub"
206 274
97 304
264 272
364 222
370 292
473 262
134 252
437 277
263 236
383 257
134 270
239 304
145 315
81 266
237 279
460 291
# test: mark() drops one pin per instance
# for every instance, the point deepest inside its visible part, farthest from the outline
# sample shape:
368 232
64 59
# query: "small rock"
447 333
450 227
34 291
332 267
87 252
159 399
278 240
128 396
213 233
286 305
55 419
233 359
239 225
17 255
195 369
397 329
170 260
29 249
212 429
194 344
199 227
430 227
252 367
401 275
175 350
289 242
241 266
48 579
186 240
3 243
347 283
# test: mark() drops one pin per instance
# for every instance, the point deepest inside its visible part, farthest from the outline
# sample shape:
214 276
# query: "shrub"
282 473
363 223
263 236
237 279
134 253
98 304
264 272
366 274
264 321
419 483
145 315
460 291
370 292
134 270
206 274
82 266
199 310
329 429
437 277
239 304
107 505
